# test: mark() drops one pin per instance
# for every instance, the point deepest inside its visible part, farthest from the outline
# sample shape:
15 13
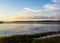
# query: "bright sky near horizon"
28 9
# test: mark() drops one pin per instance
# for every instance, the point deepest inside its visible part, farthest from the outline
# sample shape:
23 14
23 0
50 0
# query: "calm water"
10 29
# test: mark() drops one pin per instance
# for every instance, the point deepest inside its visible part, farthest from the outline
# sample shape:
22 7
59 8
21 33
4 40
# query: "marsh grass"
29 38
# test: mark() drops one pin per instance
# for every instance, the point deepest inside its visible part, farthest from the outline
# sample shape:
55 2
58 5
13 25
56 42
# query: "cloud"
52 7
48 11
29 14
32 10
22 16
56 1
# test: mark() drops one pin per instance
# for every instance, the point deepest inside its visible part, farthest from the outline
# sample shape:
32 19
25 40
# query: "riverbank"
31 38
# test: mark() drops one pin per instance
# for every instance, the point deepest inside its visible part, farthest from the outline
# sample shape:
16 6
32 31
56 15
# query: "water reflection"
9 29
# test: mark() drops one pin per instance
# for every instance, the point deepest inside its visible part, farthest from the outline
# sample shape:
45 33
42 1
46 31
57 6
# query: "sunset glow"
12 10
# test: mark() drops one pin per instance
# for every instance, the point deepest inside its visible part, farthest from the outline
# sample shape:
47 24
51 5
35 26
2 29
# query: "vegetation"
1 22
47 40
29 38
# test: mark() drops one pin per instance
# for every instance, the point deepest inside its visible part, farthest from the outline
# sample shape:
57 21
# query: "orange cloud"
22 16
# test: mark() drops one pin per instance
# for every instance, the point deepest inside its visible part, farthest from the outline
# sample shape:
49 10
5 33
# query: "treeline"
29 38
38 21
1 22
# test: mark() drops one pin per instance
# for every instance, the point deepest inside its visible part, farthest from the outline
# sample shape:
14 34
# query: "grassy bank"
29 38
47 40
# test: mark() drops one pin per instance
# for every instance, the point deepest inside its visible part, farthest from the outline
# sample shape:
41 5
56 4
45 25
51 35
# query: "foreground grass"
29 38
47 40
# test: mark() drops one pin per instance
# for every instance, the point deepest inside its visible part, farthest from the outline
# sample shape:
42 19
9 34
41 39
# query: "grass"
29 38
47 40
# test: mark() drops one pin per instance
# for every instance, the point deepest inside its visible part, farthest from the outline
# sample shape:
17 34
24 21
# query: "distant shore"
40 22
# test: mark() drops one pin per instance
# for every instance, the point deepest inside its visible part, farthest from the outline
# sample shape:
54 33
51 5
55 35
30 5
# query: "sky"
28 9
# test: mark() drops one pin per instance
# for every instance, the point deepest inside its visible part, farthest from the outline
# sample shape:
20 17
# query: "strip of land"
29 38
41 22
